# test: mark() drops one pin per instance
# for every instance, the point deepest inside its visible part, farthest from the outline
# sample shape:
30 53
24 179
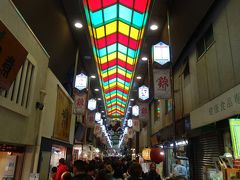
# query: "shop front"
50 153
11 161
214 138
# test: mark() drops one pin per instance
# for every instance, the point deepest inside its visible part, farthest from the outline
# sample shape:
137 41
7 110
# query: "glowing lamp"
146 154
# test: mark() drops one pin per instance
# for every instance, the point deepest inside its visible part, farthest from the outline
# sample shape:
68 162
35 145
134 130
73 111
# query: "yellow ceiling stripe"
111 28
100 32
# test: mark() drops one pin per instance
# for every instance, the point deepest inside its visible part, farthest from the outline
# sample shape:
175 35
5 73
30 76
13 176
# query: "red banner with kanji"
80 100
143 111
162 83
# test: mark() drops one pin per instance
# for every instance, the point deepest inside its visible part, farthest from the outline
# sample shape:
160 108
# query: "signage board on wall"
12 56
235 136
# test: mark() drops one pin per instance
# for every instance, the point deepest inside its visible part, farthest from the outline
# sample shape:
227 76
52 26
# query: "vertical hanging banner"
97 130
136 124
12 56
130 132
80 100
162 83
90 120
143 111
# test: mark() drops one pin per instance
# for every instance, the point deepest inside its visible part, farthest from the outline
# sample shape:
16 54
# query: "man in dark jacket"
152 174
79 170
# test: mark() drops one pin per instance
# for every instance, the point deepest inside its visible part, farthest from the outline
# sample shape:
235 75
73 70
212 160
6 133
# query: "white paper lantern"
143 92
97 116
92 104
135 110
81 81
161 53
130 123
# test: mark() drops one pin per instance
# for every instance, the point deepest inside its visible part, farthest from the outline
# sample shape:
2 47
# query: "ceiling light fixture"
154 27
144 58
139 77
131 99
96 89
78 25
93 76
99 99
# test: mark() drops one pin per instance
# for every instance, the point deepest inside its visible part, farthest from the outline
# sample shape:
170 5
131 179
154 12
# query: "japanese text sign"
12 56
162 83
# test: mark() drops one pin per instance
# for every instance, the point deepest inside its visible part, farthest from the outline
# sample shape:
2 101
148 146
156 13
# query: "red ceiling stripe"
106 41
108 2
94 5
128 3
140 5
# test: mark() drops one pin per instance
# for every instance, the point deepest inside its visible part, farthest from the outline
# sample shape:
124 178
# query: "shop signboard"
10 167
12 56
79 102
162 83
81 81
63 115
235 136
161 53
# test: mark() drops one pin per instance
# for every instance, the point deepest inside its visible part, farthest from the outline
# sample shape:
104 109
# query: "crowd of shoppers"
109 169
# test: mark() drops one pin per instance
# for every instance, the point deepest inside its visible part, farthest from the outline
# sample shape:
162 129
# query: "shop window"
205 42
157 110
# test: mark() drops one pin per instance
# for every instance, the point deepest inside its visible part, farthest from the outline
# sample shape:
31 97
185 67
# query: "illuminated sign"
81 81
135 110
143 92
92 104
161 53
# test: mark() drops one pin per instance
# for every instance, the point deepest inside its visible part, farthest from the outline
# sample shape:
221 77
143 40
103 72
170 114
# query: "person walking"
152 174
180 170
62 167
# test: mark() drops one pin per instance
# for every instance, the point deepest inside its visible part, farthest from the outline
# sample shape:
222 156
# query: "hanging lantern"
130 123
135 110
157 155
143 92
81 81
97 116
92 104
146 154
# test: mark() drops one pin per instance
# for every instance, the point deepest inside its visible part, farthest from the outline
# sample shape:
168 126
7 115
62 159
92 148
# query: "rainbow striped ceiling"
116 28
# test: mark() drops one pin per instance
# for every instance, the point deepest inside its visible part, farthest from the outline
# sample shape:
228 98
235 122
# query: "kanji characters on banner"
136 124
143 111
90 120
80 100
130 132
162 83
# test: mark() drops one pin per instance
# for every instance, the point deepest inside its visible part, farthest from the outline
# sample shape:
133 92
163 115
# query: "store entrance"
11 161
